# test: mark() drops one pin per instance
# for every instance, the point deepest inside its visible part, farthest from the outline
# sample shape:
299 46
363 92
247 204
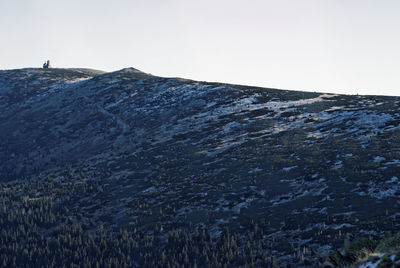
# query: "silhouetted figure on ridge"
46 65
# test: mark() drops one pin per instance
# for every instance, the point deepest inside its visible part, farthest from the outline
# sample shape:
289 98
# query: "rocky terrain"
294 172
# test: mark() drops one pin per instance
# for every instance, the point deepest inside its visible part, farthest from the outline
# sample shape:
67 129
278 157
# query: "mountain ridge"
305 166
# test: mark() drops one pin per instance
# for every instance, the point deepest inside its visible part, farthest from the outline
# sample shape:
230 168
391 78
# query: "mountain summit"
130 70
172 154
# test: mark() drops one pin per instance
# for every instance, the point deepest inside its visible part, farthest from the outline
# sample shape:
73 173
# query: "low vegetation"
368 252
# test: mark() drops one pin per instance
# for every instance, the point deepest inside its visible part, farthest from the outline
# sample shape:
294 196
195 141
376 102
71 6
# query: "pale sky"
340 46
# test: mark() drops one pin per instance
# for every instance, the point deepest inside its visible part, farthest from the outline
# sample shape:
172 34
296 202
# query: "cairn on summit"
46 65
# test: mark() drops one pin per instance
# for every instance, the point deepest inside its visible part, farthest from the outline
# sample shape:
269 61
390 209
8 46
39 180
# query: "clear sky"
343 46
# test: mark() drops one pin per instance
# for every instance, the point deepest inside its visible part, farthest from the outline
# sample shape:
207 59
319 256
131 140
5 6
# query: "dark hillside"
288 173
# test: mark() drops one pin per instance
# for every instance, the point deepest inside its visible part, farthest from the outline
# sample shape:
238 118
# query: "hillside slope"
307 168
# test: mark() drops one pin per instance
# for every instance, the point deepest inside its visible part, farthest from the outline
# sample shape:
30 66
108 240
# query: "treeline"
38 230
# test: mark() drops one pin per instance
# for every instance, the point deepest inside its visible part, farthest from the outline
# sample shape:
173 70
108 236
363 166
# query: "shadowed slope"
176 153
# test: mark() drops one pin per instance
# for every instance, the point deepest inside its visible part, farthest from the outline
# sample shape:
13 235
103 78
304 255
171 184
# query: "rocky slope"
307 167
